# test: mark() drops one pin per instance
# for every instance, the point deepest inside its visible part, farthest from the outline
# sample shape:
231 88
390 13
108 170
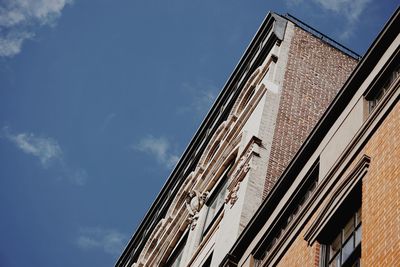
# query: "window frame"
383 83
354 255
177 252
219 190
345 213
334 205
207 263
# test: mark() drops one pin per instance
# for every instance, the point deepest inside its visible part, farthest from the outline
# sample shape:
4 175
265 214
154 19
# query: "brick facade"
380 204
315 72
381 196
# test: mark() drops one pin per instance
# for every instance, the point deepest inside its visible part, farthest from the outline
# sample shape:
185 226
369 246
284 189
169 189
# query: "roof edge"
363 68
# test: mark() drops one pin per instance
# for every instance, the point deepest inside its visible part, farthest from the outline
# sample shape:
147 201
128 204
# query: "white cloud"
109 241
46 149
20 18
48 152
159 147
350 10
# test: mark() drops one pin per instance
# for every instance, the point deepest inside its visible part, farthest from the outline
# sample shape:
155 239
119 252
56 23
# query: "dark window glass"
385 87
208 261
216 201
216 204
344 249
176 256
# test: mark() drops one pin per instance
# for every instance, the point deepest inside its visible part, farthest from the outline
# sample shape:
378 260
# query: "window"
207 263
216 202
338 225
341 241
176 255
345 248
376 98
288 216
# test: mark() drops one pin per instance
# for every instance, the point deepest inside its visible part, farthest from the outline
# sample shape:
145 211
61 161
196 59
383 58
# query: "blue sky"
98 99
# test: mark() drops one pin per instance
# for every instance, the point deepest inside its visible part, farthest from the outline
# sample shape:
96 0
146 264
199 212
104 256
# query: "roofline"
211 122
322 36
341 100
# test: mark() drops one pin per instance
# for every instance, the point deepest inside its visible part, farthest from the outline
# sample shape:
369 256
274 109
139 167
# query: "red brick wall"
380 240
381 196
300 254
315 72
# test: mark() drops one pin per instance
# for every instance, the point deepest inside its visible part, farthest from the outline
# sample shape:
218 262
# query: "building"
298 152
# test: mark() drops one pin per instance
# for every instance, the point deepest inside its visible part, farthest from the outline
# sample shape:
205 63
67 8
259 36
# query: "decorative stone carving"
241 168
194 202
232 195
243 164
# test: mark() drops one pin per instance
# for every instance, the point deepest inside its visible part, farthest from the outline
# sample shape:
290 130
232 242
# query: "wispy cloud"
47 151
350 10
202 95
110 241
160 148
19 19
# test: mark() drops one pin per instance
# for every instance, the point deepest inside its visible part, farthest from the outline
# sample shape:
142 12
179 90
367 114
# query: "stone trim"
241 168
206 238
194 202
337 198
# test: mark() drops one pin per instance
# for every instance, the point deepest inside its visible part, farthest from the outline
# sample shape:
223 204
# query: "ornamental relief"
246 92
241 168
154 238
194 202
232 195
223 147
213 145
249 89
171 233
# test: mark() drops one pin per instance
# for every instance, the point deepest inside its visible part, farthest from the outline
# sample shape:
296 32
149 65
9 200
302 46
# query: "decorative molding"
194 202
159 230
232 195
213 144
241 168
252 85
336 199
224 142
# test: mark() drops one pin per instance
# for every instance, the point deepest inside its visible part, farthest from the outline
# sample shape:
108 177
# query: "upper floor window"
215 203
338 225
207 263
176 255
341 241
345 248
378 95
